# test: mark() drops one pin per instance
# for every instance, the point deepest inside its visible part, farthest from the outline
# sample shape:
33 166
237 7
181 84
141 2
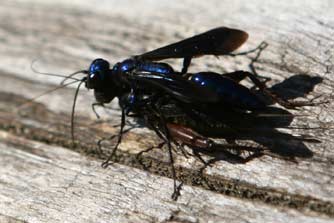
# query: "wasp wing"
176 86
218 41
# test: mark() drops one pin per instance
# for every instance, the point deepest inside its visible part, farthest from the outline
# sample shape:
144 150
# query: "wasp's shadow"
296 86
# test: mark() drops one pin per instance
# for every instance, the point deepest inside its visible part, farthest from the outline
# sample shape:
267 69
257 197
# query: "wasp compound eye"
99 65
97 73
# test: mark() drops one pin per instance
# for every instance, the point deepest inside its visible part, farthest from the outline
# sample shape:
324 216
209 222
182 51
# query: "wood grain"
49 183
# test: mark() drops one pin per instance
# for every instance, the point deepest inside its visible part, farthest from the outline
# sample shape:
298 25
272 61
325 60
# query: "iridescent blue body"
230 92
109 83
144 66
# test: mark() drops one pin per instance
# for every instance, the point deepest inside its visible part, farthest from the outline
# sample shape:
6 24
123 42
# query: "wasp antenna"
44 93
306 138
52 74
308 128
73 108
70 76
280 115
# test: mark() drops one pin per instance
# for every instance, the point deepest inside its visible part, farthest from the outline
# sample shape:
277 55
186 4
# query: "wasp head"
97 73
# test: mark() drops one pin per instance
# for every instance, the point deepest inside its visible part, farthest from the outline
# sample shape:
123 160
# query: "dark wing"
217 41
176 86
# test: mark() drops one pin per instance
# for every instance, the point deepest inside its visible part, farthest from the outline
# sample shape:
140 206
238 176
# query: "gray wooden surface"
43 178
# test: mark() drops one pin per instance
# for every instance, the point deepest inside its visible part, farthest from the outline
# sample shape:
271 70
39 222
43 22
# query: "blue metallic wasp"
143 86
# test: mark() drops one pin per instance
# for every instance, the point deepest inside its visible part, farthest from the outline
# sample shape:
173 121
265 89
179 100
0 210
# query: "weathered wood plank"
52 184
67 36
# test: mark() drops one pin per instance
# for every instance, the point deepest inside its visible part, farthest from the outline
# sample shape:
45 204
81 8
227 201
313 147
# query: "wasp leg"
94 110
186 64
105 164
182 149
260 47
275 98
254 76
166 133
237 76
99 144
159 146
